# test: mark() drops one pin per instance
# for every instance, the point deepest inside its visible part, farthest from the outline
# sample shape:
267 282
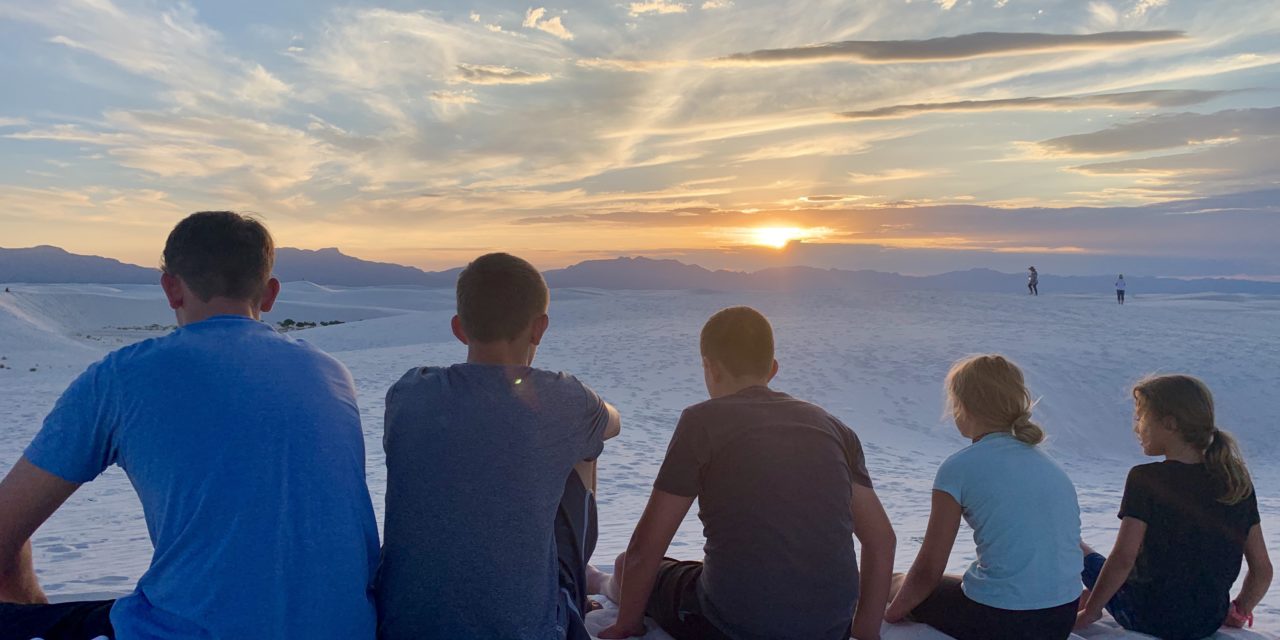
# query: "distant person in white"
1120 289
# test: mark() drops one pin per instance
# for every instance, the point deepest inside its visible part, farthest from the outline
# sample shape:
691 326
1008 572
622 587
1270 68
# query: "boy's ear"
1169 423
540 325
458 332
269 295
172 286
773 371
712 369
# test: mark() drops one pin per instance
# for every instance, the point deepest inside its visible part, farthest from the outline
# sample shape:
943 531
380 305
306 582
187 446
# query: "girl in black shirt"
1186 523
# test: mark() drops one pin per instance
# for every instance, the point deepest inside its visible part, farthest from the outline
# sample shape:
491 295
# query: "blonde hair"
1188 401
991 391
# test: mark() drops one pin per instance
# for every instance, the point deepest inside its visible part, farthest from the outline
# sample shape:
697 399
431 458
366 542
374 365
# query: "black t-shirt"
1192 550
774 480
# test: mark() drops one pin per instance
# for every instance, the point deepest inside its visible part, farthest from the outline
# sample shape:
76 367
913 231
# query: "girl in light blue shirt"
1022 507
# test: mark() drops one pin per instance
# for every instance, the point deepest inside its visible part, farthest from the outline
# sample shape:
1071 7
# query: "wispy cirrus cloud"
1156 98
952 48
962 47
1166 131
496 74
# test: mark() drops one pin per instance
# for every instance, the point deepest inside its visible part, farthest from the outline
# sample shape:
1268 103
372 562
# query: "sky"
920 136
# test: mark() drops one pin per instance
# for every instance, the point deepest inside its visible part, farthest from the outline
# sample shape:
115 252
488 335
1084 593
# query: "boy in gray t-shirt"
490 519
783 488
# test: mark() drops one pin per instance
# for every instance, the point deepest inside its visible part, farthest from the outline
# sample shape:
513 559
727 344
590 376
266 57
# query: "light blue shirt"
245 448
1025 519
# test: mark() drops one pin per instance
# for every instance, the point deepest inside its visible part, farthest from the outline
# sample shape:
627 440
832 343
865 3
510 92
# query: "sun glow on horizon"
780 237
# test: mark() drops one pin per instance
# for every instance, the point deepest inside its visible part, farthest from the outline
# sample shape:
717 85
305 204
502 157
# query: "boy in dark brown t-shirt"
783 488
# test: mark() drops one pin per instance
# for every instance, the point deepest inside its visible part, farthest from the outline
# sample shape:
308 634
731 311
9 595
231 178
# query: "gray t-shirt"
477 457
774 480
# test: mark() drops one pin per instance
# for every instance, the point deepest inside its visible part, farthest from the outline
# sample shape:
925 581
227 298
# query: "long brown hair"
1188 401
991 389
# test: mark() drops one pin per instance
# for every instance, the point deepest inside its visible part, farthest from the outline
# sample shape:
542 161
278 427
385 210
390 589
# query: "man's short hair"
220 254
499 295
740 339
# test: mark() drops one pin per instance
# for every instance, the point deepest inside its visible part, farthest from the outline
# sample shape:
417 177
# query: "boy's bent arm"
931 561
872 527
653 534
28 496
614 426
1258 578
1114 571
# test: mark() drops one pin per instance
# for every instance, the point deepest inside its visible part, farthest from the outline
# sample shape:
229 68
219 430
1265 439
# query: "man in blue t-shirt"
489 515
245 448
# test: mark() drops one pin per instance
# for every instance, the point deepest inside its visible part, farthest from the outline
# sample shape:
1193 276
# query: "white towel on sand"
1105 630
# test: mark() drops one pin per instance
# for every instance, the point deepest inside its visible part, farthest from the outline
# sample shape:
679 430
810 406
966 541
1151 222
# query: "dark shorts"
1121 606
576 533
950 611
62 621
673 603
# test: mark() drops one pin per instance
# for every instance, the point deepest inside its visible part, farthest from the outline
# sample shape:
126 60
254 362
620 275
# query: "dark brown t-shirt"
774 480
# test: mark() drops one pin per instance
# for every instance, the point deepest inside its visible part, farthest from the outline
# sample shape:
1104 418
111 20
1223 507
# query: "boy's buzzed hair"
498 296
220 254
740 339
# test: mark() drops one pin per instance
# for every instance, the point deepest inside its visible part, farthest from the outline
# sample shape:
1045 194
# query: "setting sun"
776 237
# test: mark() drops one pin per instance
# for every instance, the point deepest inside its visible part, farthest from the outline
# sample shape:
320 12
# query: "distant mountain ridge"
332 267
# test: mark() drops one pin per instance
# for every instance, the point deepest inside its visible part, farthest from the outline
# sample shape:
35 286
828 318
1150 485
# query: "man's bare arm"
28 496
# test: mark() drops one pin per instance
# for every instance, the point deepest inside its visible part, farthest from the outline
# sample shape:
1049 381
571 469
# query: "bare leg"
611 587
1086 549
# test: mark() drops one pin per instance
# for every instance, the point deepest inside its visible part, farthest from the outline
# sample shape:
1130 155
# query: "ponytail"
1027 431
1224 462
991 390
1190 404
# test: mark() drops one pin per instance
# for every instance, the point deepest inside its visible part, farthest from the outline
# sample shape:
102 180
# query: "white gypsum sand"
876 360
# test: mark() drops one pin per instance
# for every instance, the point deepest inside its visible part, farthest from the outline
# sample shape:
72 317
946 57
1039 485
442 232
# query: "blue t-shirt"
477 458
245 448
1025 519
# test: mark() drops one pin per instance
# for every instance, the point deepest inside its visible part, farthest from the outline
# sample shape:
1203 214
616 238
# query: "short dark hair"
741 339
220 254
498 296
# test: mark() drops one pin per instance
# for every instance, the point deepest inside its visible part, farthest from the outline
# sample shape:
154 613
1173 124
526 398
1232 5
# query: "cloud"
533 19
496 74
952 48
890 174
168 45
13 122
1133 99
716 4
973 45
1167 131
945 4
1142 7
454 97
657 6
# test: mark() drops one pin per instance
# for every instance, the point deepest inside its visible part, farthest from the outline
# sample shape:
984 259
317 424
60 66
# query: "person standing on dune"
1033 281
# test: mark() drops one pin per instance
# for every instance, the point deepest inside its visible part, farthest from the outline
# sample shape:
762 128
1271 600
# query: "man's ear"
773 371
458 331
269 295
172 286
1169 423
540 325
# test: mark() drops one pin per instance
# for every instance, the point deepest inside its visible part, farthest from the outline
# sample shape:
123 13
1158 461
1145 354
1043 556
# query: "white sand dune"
874 360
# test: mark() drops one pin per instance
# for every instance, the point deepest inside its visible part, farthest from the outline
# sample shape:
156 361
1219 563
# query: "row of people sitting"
246 449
